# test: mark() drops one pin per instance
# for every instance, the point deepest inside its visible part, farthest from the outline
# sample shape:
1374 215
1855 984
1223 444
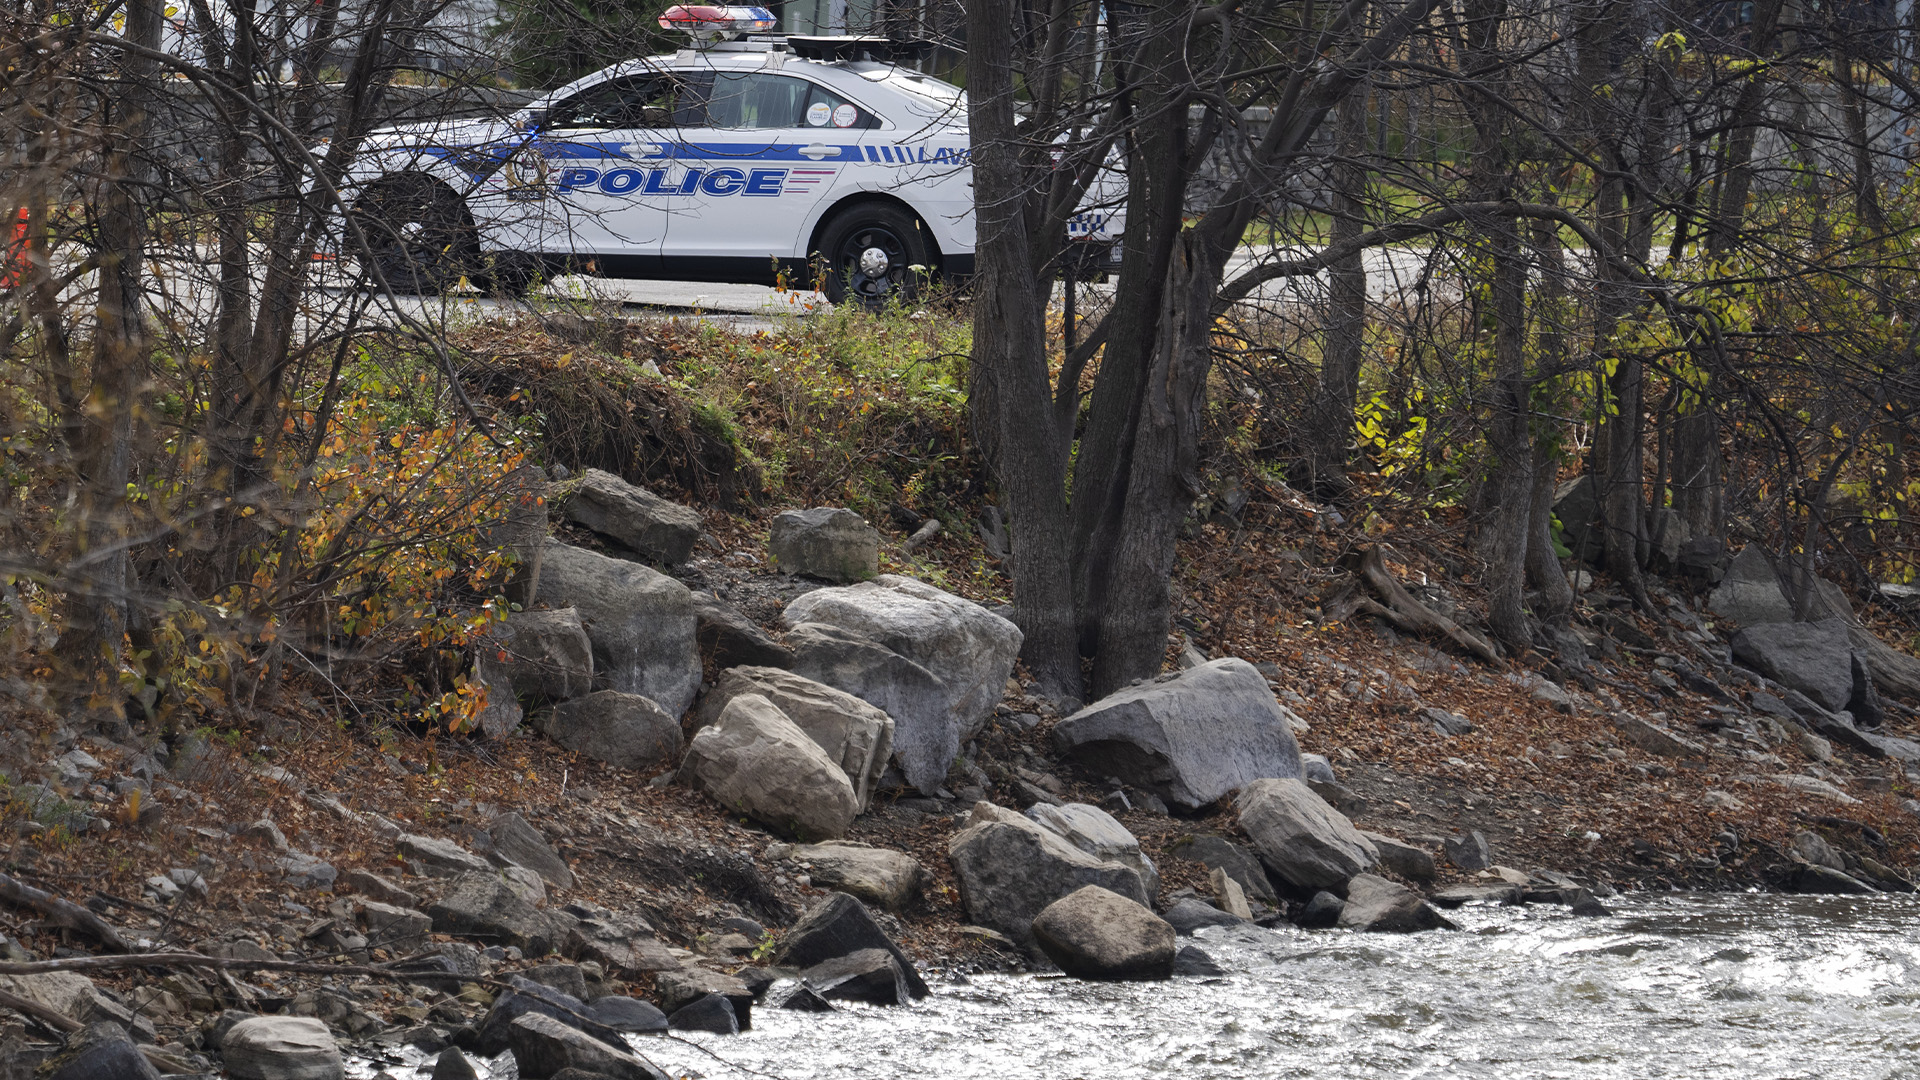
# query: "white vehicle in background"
756 159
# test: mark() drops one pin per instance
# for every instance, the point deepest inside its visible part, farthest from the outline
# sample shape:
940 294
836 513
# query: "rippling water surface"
1675 986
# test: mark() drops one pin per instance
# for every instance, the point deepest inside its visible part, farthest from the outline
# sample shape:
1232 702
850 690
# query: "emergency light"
707 22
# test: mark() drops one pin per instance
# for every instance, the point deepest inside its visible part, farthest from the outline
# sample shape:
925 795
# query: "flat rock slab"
622 943
1655 739
543 1046
281 1048
840 926
1813 658
1500 892
483 906
1189 739
881 876
967 650
646 524
1094 933
1409 861
520 844
869 975
1303 841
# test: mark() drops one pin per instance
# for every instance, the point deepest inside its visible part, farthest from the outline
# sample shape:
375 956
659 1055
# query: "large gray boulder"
967 650
1304 841
1813 658
1092 933
640 622
627 731
853 733
652 527
1376 904
1189 739
281 1048
1750 594
754 760
484 907
840 926
877 875
539 654
1010 869
1095 832
100 1051
825 542
493 1034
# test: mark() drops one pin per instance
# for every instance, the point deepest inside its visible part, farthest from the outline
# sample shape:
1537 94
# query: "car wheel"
418 234
874 254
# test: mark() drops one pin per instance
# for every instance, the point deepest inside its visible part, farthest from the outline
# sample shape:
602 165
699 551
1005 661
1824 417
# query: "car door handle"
820 150
643 150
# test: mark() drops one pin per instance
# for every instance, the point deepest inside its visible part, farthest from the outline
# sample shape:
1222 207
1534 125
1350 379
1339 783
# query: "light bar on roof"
709 21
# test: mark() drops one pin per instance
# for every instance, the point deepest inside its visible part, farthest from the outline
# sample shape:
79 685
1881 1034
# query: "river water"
1680 985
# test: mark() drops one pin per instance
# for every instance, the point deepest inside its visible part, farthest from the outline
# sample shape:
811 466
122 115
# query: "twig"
1416 615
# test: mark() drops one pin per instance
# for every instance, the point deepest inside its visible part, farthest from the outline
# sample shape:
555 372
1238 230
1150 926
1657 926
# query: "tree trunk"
1330 420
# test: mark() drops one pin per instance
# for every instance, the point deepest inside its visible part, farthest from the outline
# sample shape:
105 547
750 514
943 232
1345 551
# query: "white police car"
761 159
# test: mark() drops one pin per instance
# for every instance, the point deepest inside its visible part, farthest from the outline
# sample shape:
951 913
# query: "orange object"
16 258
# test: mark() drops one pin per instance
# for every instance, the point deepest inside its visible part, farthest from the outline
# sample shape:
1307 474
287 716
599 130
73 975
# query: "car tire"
873 254
418 234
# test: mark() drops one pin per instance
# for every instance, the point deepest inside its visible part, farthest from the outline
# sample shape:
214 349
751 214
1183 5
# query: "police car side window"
759 100
649 101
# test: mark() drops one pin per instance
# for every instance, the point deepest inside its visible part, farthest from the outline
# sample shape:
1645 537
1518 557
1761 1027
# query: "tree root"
1409 614
63 913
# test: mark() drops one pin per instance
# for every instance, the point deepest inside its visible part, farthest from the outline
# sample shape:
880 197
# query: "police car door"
608 149
773 148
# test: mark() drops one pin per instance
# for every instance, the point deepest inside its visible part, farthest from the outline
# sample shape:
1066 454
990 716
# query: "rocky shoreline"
777 778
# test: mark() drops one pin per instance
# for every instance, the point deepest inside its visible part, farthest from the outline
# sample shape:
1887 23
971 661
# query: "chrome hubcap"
874 262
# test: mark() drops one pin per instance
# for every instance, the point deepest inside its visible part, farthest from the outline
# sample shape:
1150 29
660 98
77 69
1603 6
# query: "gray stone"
1094 933
1321 912
1470 852
853 733
1189 914
482 906
882 876
652 527
1010 869
1317 767
728 638
710 1013
839 926
1378 905
1233 900
1189 739
1496 892
1828 881
958 656
801 998
756 761
98 1052
640 622
375 887
303 871
869 975
1814 848
1302 840
1192 961
398 929
1339 796
1814 658
1410 862
453 1065
682 987
1577 507
1750 593
538 654
542 1046
1095 832
628 1014
494 1032
520 844
627 731
1239 861
1447 723
1655 739
439 858
825 542
569 979
281 1048
623 944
